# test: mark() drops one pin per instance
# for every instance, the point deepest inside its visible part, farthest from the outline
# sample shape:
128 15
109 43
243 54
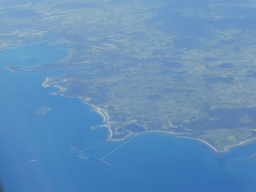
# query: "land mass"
150 66
126 111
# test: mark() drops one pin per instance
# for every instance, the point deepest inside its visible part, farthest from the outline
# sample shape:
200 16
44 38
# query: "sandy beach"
106 125
97 109
109 129
203 142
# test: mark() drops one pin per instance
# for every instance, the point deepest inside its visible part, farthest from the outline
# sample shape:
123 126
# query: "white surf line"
116 149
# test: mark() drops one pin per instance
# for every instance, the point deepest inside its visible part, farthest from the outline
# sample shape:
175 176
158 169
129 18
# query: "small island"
42 111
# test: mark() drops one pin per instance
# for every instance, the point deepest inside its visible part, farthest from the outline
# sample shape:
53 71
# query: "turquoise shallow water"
149 162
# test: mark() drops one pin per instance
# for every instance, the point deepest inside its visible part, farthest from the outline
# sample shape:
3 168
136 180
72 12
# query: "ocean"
36 153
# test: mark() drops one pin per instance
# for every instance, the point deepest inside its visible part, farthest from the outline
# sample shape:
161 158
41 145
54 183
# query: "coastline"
176 135
226 148
98 110
242 143
106 124
208 144
84 100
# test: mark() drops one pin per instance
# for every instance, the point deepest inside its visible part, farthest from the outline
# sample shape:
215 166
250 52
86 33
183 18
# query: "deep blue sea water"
149 162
